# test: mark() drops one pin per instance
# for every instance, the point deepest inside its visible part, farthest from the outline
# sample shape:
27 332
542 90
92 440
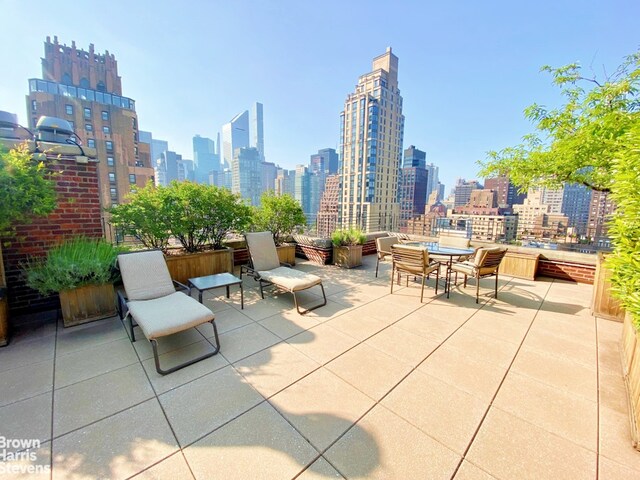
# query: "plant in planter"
26 190
82 271
198 216
347 247
281 215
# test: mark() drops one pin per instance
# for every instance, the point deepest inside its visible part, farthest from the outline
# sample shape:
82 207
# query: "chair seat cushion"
290 279
469 268
166 315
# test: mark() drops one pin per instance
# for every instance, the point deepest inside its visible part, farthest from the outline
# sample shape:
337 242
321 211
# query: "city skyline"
467 74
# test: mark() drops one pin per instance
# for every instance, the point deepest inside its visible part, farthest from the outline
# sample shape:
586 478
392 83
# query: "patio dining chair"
266 269
413 261
154 304
383 247
485 263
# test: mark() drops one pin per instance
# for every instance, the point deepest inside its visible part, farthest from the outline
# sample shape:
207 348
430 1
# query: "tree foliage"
194 214
578 142
282 215
145 217
624 229
26 188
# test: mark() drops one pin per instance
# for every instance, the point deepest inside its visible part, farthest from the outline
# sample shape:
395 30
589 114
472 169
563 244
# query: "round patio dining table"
450 252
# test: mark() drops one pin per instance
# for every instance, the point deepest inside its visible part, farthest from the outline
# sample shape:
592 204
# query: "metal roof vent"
52 129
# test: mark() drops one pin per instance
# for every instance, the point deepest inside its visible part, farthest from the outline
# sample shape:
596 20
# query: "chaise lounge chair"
267 269
155 305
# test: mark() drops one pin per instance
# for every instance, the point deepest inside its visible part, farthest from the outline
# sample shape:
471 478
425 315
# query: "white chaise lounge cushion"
166 315
289 279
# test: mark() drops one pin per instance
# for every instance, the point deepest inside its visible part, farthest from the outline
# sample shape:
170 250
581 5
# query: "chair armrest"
249 271
181 286
285 264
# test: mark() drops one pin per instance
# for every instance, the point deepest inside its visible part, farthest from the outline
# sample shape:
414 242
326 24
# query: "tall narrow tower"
257 129
235 134
371 134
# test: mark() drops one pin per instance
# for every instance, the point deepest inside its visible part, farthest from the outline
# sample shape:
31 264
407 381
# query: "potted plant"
347 247
82 271
199 217
26 190
281 215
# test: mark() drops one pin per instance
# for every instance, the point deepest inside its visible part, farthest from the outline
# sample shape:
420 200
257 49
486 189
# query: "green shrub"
194 214
25 188
625 227
348 236
282 215
145 217
74 263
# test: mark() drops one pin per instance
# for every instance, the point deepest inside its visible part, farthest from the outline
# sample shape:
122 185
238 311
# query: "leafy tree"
594 140
578 142
280 214
227 213
625 227
145 217
26 188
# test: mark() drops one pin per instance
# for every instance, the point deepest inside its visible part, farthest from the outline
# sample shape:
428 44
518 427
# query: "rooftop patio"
373 385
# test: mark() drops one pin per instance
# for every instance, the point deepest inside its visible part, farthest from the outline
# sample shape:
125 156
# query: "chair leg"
393 275
477 287
377 263
156 357
261 289
437 279
496 294
302 312
422 290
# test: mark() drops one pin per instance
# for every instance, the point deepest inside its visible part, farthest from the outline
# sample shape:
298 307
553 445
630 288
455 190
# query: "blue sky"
467 69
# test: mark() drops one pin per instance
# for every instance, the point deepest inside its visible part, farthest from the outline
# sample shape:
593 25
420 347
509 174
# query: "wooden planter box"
631 372
287 253
88 303
4 319
521 265
347 257
191 265
603 304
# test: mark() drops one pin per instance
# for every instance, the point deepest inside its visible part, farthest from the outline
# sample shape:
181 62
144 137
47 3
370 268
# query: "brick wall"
576 272
77 213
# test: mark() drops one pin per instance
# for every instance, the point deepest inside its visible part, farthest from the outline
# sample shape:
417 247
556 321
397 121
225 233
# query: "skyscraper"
506 192
371 134
205 159
84 88
462 191
246 174
414 180
257 129
414 158
326 160
235 134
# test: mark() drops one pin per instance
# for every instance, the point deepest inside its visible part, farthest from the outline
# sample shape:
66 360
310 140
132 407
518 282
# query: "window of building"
68 109
110 161
132 178
91 143
112 177
109 145
34 105
106 129
87 112
105 116
114 192
88 127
